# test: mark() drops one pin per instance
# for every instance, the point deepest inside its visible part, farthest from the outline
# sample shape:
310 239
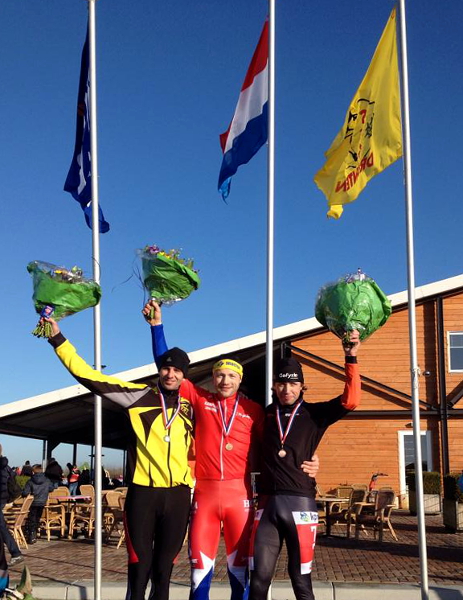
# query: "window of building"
407 455
455 346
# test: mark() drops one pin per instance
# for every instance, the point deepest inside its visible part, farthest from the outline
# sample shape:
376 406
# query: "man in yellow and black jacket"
158 499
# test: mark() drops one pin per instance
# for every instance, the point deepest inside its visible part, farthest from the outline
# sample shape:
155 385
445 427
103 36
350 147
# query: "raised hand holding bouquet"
167 277
353 302
60 292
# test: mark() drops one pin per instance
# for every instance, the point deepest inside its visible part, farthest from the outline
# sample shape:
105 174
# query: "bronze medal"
284 434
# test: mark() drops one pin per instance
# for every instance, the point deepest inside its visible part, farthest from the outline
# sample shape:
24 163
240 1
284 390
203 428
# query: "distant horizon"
32 451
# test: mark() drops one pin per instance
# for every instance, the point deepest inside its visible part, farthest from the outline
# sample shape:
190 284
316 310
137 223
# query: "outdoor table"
70 498
328 501
68 501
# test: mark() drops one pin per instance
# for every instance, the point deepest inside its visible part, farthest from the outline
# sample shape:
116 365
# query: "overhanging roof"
66 414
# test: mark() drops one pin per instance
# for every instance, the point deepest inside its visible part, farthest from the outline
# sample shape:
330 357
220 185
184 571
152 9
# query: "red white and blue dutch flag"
248 129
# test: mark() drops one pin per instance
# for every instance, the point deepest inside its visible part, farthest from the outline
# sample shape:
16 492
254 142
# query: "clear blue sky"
169 74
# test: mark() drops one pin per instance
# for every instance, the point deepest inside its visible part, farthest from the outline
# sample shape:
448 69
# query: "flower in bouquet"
64 291
353 302
167 277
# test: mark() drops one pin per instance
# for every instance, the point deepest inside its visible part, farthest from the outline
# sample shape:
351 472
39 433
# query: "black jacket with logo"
283 475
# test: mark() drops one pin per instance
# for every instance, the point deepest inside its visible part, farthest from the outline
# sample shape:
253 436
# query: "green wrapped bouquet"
167 277
353 302
66 291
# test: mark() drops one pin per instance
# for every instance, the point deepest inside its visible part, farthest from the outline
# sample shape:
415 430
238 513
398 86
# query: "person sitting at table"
39 486
286 508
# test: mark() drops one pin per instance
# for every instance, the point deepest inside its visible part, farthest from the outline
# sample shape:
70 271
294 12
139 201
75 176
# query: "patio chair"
321 515
343 491
319 491
15 518
115 501
87 490
360 486
342 515
53 518
82 519
61 490
381 516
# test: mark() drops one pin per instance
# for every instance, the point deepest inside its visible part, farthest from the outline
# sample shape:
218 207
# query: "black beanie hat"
175 357
288 369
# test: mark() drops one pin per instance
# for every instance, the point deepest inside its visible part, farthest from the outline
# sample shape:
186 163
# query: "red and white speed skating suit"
223 495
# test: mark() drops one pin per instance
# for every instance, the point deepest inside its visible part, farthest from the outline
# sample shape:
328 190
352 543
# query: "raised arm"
350 398
327 413
124 393
153 315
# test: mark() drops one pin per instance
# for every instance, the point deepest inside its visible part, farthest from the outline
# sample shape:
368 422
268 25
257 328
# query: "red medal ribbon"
284 434
168 422
227 428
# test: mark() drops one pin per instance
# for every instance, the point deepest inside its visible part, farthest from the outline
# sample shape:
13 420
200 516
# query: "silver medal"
167 438
282 453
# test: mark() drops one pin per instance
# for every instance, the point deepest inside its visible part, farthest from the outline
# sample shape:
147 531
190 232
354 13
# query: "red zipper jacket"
213 460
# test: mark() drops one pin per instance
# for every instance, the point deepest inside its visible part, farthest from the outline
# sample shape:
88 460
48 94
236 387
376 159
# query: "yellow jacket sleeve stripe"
124 393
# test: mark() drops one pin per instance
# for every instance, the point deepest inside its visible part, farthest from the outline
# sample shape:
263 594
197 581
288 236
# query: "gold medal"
229 446
282 453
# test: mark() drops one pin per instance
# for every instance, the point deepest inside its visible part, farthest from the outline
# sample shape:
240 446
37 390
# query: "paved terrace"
337 559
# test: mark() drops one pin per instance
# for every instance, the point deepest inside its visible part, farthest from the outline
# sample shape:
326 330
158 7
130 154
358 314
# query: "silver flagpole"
411 307
270 200
96 310
270 209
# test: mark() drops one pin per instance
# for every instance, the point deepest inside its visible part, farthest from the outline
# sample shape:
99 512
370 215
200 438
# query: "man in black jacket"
5 474
287 509
26 469
54 472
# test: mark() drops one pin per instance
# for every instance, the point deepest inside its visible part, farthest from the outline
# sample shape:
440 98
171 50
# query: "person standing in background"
39 486
5 474
73 479
54 472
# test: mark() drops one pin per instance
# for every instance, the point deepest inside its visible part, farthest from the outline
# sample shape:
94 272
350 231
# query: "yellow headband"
229 364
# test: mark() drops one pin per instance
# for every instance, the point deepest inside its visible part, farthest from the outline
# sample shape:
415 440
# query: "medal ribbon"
168 422
227 428
284 435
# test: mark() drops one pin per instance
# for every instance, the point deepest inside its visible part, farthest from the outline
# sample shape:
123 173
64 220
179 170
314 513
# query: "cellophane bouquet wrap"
67 291
167 277
353 302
